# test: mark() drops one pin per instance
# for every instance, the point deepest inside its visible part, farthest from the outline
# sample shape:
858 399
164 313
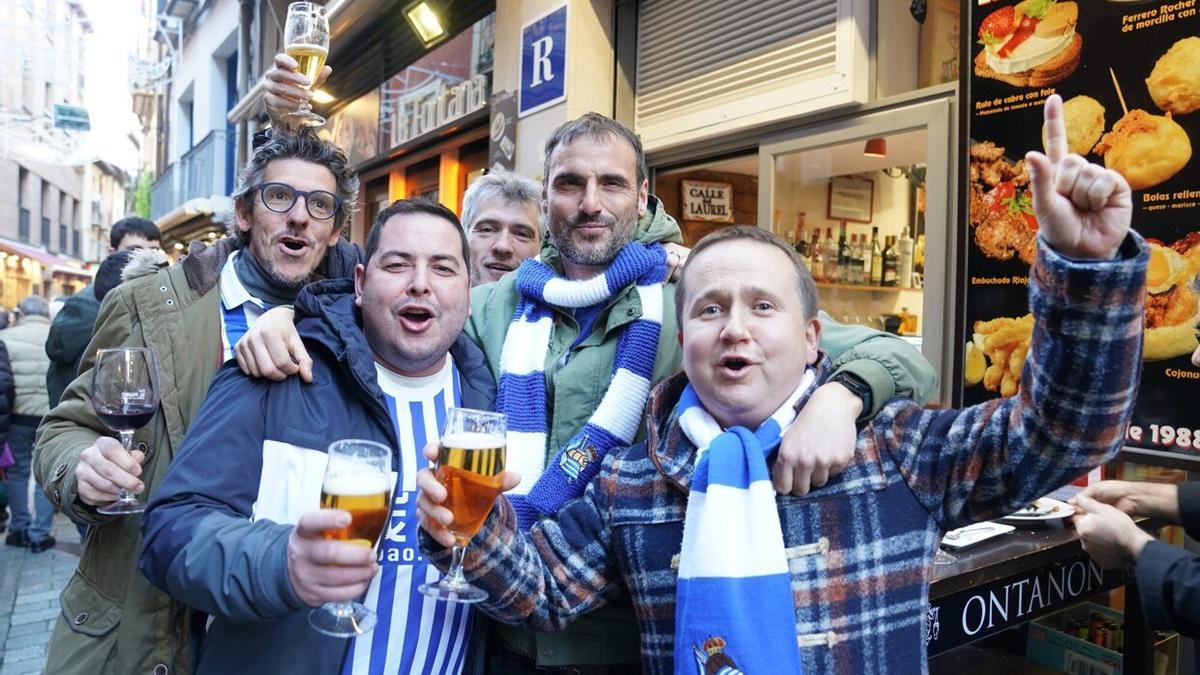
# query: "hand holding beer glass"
358 481
470 461
307 40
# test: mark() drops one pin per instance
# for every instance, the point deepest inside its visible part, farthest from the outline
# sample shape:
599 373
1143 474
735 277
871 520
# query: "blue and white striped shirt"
239 309
414 633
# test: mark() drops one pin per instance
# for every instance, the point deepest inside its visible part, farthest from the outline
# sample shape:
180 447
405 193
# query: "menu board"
1129 73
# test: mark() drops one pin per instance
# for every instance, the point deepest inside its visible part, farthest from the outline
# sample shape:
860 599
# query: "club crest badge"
711 658
576 456
933 627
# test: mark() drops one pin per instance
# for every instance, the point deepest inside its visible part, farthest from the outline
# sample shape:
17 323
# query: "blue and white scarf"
733 595
522 389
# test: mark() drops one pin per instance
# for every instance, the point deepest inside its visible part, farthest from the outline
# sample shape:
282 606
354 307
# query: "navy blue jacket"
207 541
1169 577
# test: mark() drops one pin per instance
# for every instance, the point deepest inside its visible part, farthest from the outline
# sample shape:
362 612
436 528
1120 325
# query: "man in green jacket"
289 210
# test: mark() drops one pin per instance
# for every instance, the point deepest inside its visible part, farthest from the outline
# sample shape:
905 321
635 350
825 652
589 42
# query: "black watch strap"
858 387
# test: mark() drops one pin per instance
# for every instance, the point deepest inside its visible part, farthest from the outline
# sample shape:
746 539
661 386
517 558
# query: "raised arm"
1086 292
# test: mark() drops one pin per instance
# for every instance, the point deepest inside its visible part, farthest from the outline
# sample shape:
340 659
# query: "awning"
198 207
70 271
29 251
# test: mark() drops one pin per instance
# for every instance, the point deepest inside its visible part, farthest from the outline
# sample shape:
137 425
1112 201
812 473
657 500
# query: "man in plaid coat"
859 549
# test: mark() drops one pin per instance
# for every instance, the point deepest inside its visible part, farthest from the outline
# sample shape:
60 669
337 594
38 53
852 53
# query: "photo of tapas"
996 353
1171 298
1084 118
1000 206
1146 149
1174 84
1030 44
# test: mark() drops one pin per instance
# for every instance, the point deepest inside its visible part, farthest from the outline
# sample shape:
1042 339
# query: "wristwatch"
857 386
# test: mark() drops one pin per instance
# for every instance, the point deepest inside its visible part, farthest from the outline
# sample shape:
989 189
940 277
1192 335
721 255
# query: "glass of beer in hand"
470 459
358 481
306 39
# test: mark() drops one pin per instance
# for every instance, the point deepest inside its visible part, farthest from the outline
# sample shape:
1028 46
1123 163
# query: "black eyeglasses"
280 197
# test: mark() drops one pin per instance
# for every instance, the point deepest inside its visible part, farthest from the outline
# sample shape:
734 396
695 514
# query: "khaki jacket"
113 620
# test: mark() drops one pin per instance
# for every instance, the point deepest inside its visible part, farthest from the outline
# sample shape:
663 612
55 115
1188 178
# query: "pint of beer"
306 36
471 456
469 466
365 495
358 481
311 58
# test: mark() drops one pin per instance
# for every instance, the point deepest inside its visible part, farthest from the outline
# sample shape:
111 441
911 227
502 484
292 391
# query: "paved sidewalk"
29 588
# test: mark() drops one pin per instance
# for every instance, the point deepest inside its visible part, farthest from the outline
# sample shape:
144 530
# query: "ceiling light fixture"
425 22
875 147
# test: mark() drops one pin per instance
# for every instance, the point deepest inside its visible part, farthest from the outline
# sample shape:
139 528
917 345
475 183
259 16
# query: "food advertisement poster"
1129 73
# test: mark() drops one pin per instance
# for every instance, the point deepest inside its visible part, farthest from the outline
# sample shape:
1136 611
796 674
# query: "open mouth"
735 365
416 318
293 245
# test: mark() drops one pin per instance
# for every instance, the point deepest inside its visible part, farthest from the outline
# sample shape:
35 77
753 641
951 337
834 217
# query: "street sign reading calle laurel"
707 201
444 105
71 117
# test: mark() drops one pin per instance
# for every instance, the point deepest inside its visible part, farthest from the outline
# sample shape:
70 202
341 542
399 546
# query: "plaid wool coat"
860 548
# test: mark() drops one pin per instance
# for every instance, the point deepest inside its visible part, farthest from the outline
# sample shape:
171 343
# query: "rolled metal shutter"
709 66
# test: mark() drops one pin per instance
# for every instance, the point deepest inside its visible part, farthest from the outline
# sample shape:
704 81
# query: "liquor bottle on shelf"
919 255
816 257
876 259
832 264
891 262
843 255
856 259
904 269
800 243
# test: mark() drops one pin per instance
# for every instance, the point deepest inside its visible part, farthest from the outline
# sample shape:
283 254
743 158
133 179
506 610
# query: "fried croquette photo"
1084 118
1174 83
1146 149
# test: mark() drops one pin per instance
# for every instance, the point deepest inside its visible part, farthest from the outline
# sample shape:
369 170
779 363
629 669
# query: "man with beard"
234 529
291 202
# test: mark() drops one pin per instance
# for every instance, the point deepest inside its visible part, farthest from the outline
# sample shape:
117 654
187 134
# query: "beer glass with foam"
471 456
357 480
306 39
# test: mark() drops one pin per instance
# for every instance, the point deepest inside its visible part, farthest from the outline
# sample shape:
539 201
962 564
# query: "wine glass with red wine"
125 396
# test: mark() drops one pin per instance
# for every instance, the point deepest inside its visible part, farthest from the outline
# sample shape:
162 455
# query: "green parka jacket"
574 389
113 620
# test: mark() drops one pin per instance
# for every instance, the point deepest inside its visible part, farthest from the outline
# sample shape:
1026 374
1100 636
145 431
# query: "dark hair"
304 145
594 125
108 275
133 225
805 286
402 207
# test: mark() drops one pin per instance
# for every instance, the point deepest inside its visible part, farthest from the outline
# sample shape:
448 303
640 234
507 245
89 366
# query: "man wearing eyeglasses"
291 202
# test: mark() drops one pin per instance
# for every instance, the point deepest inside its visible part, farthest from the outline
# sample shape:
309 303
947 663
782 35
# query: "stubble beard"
620 233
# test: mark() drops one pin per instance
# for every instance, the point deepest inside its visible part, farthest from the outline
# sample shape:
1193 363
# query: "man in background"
72 326
500 216
26 344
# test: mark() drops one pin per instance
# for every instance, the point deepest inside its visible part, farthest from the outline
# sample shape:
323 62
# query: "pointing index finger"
1055 129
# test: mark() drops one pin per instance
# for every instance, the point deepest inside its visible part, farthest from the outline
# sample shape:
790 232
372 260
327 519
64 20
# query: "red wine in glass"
125 398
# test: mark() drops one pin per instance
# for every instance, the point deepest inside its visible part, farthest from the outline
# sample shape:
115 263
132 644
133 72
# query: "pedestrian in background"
71 329
26 344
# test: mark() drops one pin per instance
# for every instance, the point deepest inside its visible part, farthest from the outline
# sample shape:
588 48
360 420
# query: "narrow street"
29 588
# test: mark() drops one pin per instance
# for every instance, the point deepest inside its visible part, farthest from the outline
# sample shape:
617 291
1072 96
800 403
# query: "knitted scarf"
522 388
733 596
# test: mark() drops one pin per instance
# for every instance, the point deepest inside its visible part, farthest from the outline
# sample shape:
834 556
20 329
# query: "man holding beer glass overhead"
291 202
236 529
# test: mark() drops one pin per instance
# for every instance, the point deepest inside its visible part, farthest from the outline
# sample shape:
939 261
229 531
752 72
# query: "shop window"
938 56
